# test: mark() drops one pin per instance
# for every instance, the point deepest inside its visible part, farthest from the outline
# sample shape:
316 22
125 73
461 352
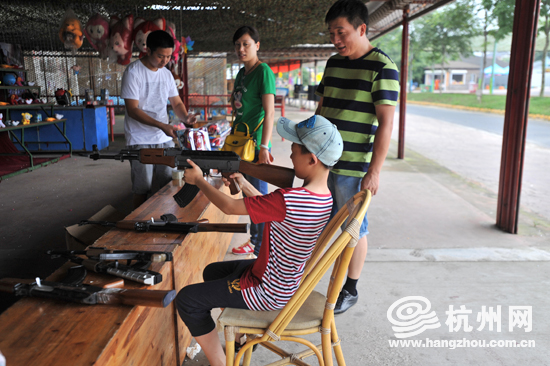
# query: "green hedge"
537 105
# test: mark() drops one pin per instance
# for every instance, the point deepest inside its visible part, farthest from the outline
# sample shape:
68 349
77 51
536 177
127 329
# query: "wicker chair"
308 311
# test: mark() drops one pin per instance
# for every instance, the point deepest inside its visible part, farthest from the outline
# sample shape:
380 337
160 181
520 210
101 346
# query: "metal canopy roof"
34 24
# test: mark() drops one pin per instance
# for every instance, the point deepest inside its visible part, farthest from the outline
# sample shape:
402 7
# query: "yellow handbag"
241 142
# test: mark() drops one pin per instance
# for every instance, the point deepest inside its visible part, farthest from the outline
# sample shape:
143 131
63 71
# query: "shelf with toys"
15 161
16 155
15 79
19 87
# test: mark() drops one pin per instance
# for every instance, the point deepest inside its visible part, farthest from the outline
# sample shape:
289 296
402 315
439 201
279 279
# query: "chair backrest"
351 208
322 258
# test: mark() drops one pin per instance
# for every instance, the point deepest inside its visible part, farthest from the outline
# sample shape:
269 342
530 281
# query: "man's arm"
132 107
384 114
181 111
226 204
268 104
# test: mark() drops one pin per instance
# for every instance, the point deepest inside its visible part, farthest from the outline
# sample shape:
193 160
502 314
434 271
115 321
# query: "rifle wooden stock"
153 298
276 175
156 156
8 284
126 224
107 296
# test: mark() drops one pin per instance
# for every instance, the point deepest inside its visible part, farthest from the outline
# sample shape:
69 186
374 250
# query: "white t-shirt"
152 89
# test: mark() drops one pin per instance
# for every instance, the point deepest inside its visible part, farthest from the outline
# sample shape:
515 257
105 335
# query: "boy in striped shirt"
358 94
294 218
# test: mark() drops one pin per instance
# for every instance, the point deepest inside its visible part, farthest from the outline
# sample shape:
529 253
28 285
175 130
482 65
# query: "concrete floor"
432 234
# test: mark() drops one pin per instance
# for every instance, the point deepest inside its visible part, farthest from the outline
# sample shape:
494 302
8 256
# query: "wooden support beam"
517 109
403 91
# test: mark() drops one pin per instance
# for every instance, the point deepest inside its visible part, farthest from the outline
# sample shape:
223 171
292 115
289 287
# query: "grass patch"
537 105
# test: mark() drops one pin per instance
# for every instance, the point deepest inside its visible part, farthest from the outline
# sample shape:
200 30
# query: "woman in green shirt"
253 101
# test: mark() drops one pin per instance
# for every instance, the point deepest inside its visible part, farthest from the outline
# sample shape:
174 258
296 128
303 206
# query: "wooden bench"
48 332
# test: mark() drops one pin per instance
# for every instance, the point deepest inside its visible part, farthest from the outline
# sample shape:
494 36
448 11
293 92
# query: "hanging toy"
188 44
97 33
177 79
171 30
142 28
120 41
70 31
76 69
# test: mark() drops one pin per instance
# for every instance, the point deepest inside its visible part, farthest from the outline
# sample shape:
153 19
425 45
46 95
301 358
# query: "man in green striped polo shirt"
358 94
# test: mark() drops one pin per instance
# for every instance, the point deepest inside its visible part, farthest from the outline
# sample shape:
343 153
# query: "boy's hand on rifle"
238 178
193 174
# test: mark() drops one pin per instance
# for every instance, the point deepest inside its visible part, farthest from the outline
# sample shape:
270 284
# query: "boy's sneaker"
244 249
345 301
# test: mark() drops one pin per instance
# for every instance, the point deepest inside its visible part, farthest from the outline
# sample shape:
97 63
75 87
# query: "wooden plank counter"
46 332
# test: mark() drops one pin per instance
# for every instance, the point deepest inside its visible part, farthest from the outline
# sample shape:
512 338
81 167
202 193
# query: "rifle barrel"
225 228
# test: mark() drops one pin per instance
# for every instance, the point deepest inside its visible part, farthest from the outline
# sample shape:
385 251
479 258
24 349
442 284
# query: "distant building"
464 74
457 75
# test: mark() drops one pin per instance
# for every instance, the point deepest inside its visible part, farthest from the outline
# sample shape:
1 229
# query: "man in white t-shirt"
146 87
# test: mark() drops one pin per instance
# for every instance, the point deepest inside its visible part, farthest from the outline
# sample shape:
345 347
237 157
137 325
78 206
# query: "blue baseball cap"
317 134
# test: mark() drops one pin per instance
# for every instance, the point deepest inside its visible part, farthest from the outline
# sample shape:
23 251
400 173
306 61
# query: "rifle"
226 162
71 289
169 223
102 260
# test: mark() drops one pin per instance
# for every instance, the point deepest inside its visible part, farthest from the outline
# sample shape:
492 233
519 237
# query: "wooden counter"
45 332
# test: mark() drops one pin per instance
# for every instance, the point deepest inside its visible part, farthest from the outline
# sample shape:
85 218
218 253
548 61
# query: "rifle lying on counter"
102 260
169 223
71 289
226 162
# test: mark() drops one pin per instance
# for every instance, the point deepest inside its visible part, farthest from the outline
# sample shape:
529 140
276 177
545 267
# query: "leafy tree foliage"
446 33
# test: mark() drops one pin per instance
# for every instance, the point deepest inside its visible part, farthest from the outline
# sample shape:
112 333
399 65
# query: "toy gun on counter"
226 162
102 260
71 289
169 223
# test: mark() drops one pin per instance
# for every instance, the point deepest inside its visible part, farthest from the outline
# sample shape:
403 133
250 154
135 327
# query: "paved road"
470 143
538 131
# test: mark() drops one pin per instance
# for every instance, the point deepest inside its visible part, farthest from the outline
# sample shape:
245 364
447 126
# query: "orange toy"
70 32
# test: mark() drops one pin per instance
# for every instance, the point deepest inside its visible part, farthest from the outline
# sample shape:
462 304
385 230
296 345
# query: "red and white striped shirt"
294 217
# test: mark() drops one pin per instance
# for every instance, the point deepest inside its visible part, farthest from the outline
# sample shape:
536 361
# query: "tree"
545 29
447 33
390 44
499 16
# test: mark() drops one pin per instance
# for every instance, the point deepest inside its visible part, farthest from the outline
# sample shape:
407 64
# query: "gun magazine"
186 195
145 277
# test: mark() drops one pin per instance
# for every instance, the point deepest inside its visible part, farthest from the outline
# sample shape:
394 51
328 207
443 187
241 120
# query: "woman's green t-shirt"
247 96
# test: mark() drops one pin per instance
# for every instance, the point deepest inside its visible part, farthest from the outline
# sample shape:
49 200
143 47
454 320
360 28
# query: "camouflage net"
34 24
